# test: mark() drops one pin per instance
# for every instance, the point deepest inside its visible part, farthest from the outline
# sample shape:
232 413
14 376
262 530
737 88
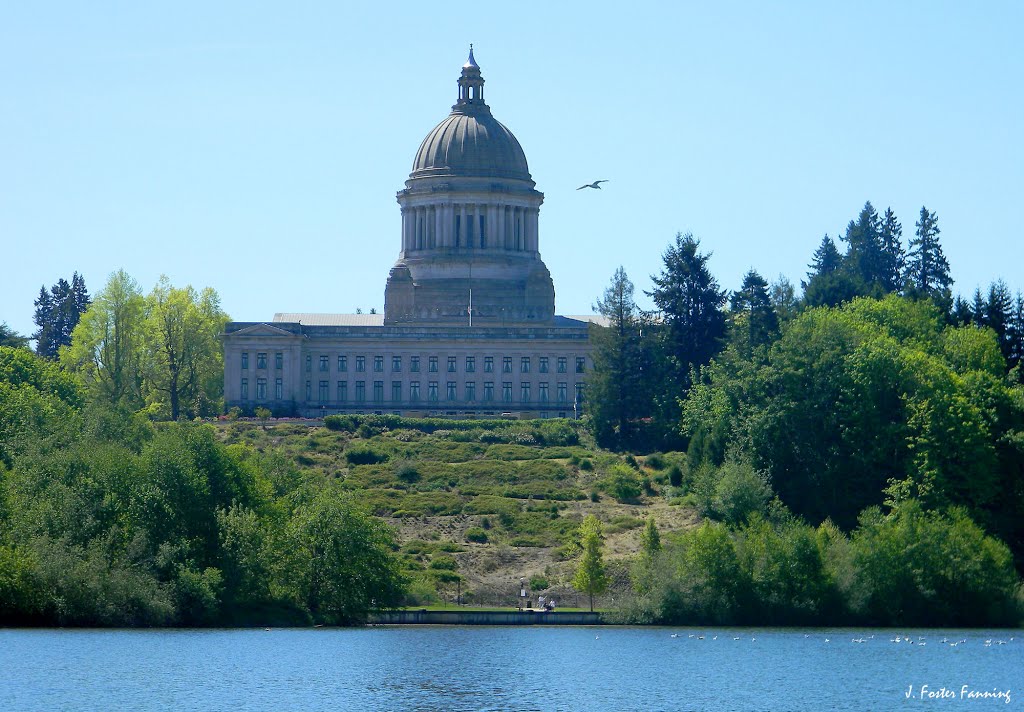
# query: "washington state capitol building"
469 325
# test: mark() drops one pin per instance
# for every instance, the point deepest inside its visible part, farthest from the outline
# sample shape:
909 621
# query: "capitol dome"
470 141
476 145
470 250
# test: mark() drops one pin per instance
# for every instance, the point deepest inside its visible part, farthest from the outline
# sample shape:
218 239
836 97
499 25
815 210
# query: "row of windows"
525 363
261 360
415 393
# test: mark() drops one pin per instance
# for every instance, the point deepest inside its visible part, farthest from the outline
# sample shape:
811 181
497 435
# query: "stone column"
438 223
461 238
492 225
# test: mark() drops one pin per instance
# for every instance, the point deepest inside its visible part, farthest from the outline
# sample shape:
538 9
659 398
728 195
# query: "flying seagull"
595 185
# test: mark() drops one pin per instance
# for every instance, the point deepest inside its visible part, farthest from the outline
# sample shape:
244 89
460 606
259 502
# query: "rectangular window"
360 364
579 393
245 361
414 364
581 364
261 360
261 389
278 389
414 391
342 391
470 364
309 391
432 391
360 391
488 364
561 364
378 364
324 363
451 391
563 393
342 364
309 363
524 364
245 389
451 364
323 394
543 392
488 391
470 391
378 391
396 391
506 391
396 364
506 364
543 367
432 364
279 361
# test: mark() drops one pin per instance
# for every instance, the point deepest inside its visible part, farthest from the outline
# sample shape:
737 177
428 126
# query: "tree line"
872 387
159 351
109 519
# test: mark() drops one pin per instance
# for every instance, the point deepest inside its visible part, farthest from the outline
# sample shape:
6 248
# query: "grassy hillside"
483 503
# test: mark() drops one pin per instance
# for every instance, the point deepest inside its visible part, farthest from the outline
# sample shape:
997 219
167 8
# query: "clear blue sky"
258 150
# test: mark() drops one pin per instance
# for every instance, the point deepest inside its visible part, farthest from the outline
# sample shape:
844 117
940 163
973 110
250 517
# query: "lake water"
498 668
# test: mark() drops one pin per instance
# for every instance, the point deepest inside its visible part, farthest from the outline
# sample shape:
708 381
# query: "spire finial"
471 62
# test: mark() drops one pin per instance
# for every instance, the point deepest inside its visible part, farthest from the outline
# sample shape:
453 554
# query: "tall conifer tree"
893 257
616 388
927 269
692 323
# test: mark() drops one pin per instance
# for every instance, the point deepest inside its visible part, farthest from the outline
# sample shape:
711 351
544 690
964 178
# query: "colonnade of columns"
470 226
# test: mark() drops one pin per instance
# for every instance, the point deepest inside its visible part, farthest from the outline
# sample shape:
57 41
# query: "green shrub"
675 476
655 461
342 423
407 471
444 563
586 464
477 535
538 583
622 483
364 455
527 541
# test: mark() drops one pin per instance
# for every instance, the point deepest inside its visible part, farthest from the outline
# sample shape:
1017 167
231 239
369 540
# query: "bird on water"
595 185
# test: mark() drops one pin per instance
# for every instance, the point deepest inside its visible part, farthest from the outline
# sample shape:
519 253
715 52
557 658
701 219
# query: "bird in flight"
595 185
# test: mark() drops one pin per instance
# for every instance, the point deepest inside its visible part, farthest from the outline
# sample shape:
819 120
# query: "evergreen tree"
893 257
998 314
865 259
752 300
962 313
927 269
616 388
57 314
1016 332
979 309
690 302
828 284
691 326
9 337
826 259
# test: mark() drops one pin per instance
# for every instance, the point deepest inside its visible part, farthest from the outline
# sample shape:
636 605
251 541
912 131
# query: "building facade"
469 325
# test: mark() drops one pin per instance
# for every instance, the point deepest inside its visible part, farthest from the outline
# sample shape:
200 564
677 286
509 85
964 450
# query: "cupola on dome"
470 141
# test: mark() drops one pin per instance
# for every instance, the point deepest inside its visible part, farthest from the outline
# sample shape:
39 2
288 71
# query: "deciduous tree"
107 343
590 577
